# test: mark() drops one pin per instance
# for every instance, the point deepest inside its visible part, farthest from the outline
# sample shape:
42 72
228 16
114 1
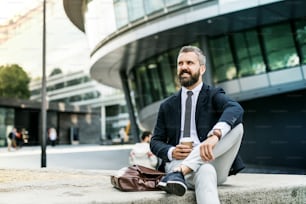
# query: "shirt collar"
196 90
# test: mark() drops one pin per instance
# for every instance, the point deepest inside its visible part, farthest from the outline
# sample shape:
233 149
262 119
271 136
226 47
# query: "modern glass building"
78 89
256 51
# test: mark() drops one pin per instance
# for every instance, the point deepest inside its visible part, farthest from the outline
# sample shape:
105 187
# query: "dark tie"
188 114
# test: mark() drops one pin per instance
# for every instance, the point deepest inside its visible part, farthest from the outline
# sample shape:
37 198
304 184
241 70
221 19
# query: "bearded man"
207 118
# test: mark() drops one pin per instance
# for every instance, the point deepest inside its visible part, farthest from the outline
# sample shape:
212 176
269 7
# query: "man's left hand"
206 148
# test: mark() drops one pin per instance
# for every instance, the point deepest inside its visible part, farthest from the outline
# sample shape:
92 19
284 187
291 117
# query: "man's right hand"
181 151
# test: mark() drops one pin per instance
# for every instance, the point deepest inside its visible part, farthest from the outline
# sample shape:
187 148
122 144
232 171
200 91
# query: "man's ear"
203 69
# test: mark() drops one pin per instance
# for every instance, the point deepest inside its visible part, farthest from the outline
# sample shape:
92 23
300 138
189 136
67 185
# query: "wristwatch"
216 132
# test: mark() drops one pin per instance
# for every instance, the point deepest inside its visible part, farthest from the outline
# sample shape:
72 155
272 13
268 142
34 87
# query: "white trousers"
207 175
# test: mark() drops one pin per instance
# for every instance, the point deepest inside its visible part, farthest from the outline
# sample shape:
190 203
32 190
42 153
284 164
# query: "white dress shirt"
223 126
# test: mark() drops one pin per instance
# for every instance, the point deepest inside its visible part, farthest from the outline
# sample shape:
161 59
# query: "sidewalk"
47 185
30 150
74 186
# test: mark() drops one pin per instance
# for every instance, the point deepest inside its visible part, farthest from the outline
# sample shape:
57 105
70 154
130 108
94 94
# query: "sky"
11 8
66 47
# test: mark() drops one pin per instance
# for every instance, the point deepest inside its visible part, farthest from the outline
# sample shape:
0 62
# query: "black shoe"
173 183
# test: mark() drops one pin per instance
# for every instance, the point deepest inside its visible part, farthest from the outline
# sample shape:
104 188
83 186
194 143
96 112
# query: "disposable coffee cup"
187 141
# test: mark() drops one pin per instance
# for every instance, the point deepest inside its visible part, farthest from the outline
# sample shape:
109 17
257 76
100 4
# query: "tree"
55 71
14 82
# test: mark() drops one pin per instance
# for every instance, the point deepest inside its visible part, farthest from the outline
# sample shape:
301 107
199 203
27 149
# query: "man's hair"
196 50
145 134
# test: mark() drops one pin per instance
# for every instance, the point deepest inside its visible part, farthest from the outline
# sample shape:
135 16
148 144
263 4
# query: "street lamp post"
43 93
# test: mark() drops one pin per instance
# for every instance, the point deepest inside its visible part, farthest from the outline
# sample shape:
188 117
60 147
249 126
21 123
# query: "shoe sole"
173 187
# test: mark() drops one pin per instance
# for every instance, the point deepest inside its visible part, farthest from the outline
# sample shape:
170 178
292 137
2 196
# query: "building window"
248 54
35 92
153 6
301 38
222 59
75 98
7 117
279 46
74 82
143 85
174 2
135 9
168 73
121 13
155 79
154 73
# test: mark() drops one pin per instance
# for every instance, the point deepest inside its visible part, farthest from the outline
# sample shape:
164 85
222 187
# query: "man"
215 129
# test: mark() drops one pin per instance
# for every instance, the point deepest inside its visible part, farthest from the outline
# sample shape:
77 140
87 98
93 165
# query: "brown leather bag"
137 178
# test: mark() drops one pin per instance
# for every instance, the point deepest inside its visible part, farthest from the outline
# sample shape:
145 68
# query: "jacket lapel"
202 100
177 114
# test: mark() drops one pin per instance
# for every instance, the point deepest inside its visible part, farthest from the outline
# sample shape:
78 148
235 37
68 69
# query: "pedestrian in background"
52 136
19 138
11 139
141 153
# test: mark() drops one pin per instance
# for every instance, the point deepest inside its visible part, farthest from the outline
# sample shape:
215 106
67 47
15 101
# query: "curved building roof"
73 10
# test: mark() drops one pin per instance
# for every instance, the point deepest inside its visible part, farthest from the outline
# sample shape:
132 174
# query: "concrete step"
22 186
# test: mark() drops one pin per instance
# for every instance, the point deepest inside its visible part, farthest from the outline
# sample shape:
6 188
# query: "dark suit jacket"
212 106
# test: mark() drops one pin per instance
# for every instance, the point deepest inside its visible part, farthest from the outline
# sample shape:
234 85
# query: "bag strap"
148 171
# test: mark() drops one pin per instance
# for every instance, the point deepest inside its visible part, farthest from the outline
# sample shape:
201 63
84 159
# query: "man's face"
189 70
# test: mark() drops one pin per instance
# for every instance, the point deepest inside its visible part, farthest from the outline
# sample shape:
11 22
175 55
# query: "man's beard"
188 81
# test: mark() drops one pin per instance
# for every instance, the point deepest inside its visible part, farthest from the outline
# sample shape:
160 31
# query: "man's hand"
206 148
181 151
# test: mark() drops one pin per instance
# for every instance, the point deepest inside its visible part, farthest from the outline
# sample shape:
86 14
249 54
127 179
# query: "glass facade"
279 46
249 56
222 59
6 124
127 11
121 13
79 97
153 6
232 56
136 8
300 27
155 79
92 94
116 118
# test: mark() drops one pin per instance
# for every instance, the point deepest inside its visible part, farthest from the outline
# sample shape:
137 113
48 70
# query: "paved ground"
73 186
47 185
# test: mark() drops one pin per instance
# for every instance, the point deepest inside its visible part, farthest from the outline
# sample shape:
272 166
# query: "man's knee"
207 171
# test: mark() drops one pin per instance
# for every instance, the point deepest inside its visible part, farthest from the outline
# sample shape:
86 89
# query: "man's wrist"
216 132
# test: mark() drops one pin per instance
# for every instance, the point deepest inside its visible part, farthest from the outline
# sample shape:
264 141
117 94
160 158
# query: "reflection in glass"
279 46
168 78
222 60
143 88
301 38
233 56
154 81
249 56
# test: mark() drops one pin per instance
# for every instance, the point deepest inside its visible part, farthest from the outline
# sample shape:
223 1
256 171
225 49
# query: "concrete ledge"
78 186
